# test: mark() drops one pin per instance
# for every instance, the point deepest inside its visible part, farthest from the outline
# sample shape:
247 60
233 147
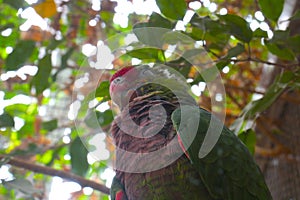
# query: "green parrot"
161 150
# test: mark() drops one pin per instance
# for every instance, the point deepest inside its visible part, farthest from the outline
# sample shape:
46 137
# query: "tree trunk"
282 120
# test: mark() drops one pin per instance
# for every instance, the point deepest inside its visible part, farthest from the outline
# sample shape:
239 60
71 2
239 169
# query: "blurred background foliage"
55 109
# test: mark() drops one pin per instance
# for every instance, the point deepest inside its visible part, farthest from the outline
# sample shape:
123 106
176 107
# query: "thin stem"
284 66
249 50
249 59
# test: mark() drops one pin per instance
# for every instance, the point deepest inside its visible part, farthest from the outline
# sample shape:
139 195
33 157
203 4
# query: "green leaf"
220 65
260 33
173 9
207 24
237 27
22 51
294 43
271 8
50 125
197 34
96 118
205 28
156 20
103 90
41 80
151 36
53 154
16 3
27 129
151 32
54 43
182 65
209 74
173 37
280 50
281 82
235 51
105 118
91 120
279 45
78 153
200 22
285 78
6 26
21 185
6 120
147 54
280 35
248 137
190 53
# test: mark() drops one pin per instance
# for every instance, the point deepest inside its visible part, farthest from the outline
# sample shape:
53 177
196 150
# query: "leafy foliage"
172 9
273 13
6 120
53 97
40 81
18 56
78 154
238 27
249 139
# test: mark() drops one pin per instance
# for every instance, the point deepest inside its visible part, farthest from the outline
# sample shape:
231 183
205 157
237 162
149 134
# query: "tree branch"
54 172
257 60
250 58
276 151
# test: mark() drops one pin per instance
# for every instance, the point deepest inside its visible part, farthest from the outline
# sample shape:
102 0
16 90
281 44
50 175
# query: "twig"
278 150
249 50
249 59
284 66
242 89
54 172
275 64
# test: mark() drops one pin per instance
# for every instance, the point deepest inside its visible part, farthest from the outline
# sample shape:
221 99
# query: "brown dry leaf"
36 34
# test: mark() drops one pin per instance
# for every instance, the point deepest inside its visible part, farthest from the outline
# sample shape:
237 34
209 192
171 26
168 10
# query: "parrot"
159 133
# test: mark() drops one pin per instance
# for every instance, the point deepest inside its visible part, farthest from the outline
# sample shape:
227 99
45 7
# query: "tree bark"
282 171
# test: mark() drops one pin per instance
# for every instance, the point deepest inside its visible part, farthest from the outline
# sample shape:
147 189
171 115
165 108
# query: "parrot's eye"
117 80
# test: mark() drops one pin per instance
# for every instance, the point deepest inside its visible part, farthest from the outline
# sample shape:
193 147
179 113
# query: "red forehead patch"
121 72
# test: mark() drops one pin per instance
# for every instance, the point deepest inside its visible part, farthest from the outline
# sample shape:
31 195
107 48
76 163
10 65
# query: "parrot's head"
123 83
143 81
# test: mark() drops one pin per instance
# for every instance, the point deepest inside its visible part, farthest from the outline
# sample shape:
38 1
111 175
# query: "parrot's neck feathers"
148 95
153 91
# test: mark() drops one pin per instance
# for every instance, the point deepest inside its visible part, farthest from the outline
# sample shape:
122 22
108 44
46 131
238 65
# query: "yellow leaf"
47 8
193 72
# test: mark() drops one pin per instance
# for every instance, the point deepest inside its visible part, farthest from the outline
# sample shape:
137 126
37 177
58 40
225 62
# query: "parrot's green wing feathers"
117 191
224 163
